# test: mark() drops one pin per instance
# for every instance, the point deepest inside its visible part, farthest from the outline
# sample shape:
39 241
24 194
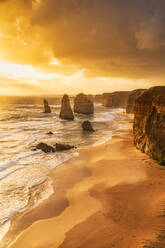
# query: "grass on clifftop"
162 161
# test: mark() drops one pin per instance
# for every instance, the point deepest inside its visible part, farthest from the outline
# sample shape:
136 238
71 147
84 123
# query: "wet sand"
111 196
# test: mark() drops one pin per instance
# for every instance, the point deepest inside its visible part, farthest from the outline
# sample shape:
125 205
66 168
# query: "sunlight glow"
22 71
54 62
22 79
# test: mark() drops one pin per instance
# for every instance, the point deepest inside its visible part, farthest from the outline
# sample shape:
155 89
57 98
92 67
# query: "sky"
73 46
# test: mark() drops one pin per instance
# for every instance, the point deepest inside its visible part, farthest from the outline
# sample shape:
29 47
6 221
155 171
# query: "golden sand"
107 197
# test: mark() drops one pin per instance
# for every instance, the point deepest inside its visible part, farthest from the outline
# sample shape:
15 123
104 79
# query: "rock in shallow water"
58 147
45 148
50 133
87 126
63 147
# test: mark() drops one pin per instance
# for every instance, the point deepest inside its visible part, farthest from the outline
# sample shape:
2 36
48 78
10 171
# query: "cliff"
98 98
116 99
131 100
149 122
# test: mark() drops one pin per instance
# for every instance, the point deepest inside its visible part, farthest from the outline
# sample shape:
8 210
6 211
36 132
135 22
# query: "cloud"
108 38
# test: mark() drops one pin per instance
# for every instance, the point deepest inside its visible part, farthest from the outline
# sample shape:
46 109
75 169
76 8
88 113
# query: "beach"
111 195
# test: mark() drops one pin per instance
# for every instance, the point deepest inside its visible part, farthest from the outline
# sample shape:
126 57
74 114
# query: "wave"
17 159
104 139
102 117
17 193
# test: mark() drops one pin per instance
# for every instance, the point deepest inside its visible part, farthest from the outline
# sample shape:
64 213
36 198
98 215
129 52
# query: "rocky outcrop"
45 148
50 133
83 105
63 147
58 147
116 99
149 122
47 108
131 100
87 126
66 112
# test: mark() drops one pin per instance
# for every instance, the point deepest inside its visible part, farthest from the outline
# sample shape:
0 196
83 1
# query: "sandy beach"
112 195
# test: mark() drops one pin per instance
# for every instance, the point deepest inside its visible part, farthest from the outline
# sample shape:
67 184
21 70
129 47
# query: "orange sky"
61 46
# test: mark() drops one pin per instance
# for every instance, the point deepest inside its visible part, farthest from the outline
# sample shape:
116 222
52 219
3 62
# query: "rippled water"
21 168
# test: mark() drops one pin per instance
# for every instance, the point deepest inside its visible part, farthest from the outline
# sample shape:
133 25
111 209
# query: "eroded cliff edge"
149 122
132 99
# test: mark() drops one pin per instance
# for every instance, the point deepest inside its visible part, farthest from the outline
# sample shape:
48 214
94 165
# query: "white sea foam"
4 229
14 190
102 117
117 111
104 139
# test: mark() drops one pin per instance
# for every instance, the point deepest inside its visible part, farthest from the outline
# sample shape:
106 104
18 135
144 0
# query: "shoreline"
98 176
4 229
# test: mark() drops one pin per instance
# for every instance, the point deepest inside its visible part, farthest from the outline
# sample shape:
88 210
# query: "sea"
22 168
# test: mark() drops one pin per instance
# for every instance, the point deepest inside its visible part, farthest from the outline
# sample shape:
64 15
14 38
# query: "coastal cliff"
149 122
116 99
132 99
98 98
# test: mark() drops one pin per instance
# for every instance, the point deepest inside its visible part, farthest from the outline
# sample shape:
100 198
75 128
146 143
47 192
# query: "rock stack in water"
47 108
149 123
87 126
83 105
132 99
66 112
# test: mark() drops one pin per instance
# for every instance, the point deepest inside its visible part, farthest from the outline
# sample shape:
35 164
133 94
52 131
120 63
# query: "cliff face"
131 100
116 99
149 122
98 98
83 105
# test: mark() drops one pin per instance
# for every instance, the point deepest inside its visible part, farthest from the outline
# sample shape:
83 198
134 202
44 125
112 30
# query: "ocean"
22 127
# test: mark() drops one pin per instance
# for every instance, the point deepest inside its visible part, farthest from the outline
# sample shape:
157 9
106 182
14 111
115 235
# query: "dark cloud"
123 38
118 38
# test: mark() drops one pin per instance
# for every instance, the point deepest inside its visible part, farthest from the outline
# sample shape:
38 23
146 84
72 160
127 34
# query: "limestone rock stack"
66 111
149 122
47 108
83 105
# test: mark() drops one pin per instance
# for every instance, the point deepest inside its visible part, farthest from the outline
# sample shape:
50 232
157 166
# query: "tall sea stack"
47 108
83 105
149 122
66 111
